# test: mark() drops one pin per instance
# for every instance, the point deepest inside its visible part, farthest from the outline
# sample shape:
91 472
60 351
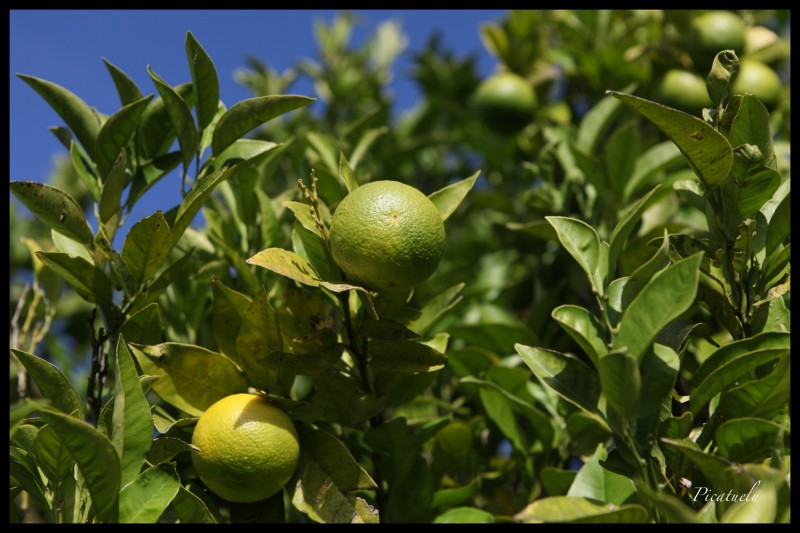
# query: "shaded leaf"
755 182
84 169
346 174
750 440
191 377
91 283
55 208
247 114
596 122
156 133
51 454
364 144
751 125
96 458
730 362
259 343
447 199
759 397
326 476
147 246
659 371
180 116
52 383
144 326
657 158
166 448
594 482
620 380
116 180
708 152
567 375
149 173
115 134
194 200
644 273
434 308
404 356
627 221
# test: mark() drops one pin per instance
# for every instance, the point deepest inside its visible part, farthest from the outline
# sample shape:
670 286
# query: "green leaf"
668 294
132 430
713 467
247 114
191 509
565 374
84 169
147 246
346 174
627 221
751 125
620 380
568 509
91 283
245 153
197 196
144 326
259 343
52 383
750 440
325 147
326 476
584 245
55 208
364 144
617 152
584 328
180 116
204 81
455 496
96 459
597 121
494 39
126 88
657 158
594 482
115 134
146 497
779 226
191 377
729 363
762 511
434 308
52 456
404 356
708 152
759 397
115 183
304 215
464 515
313 249
80 118
447 199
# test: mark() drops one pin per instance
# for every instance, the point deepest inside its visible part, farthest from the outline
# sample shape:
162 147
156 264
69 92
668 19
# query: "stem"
97 374
22 373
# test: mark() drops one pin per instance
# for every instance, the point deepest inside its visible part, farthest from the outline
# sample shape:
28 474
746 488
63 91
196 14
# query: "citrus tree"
559 294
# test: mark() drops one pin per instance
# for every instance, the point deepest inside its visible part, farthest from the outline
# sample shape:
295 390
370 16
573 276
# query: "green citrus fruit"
387 236
505 102
248 448
759 80
711 33
684 90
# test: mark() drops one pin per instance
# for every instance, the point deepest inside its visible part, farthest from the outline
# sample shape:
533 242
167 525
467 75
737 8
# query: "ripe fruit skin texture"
387 236
712 32
759 80
248 448
505 102
684 90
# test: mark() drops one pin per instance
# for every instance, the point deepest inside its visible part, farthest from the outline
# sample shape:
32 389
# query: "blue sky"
66 47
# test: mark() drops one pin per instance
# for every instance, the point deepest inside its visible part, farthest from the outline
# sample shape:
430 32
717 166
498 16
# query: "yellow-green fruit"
248 448
711 33
387 236
505 102
759 80
684 90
